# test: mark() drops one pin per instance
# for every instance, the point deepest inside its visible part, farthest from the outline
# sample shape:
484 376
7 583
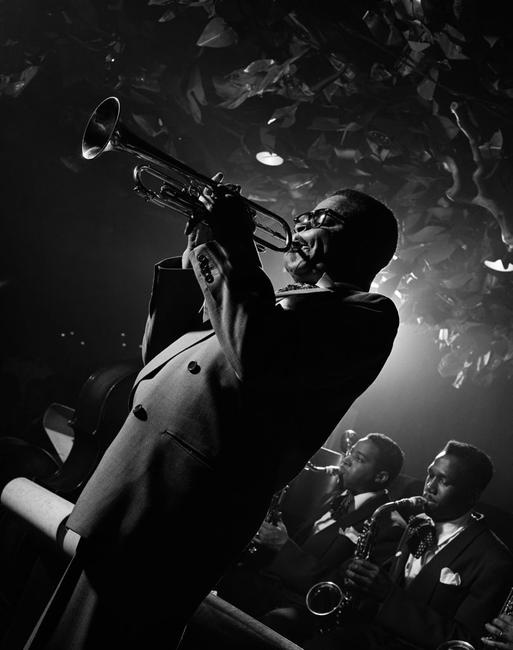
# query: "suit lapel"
183 343
429 576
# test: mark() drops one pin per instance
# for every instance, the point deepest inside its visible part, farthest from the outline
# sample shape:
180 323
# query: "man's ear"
382 477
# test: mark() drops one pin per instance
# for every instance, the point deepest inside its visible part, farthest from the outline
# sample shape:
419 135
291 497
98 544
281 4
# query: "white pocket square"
448 577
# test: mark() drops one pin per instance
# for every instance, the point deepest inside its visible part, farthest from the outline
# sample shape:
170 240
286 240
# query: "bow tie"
296 286
421 535
341 504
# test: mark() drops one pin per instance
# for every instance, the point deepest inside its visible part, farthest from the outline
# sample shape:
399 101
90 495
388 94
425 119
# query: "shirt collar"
447 529
327 283
360 499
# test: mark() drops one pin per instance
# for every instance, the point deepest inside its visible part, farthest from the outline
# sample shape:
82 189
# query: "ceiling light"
498 265
269 158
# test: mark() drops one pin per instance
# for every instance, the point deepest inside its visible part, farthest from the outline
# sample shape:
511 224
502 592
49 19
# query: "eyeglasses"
322 218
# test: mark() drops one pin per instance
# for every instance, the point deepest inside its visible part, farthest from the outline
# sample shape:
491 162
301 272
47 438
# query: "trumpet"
181 186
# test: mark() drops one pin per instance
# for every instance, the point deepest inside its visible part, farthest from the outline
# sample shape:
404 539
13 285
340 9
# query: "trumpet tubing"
181 186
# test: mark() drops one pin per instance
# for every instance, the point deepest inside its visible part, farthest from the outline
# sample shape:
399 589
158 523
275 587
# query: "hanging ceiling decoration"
410 101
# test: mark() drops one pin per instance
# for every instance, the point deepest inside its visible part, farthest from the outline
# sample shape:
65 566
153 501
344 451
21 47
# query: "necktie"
421 535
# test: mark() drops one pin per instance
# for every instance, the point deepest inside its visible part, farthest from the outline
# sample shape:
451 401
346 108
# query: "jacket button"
202 258
140 412
193 367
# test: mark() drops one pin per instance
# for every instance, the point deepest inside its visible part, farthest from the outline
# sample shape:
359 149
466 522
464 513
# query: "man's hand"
502 627
224 210
365 577
198 230
222 214
272 536
200 234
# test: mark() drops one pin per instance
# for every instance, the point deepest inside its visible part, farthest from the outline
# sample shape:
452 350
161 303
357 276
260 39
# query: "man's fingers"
358 577
492 628
499 623
497 628
502 645
359 568
207 195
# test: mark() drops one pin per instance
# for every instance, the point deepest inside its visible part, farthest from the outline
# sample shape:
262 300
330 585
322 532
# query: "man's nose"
301 227
431 485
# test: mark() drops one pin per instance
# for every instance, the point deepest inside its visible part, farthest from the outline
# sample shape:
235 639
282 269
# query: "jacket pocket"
188 448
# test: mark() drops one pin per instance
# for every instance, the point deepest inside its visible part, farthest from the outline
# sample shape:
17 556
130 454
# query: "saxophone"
456 644
273 516
327 598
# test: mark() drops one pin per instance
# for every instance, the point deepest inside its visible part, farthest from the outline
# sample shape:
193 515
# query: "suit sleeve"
175 307
239 298
420 624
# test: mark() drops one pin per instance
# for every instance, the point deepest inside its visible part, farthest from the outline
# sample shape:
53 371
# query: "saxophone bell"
325 599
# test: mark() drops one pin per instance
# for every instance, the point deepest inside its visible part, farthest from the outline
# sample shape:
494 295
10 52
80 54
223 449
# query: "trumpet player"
450 574
240 388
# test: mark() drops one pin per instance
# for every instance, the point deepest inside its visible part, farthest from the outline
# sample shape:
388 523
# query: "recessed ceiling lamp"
498 265
269 158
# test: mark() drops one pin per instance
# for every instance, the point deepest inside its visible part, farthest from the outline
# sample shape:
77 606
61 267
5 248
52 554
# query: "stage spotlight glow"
269 158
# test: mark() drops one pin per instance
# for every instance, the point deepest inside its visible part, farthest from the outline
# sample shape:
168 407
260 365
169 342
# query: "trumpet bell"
100 128
180 185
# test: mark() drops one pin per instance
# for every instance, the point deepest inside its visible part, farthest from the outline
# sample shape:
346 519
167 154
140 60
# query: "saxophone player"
450 574
275 593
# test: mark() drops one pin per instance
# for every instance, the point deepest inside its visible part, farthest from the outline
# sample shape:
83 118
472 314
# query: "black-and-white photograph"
257 320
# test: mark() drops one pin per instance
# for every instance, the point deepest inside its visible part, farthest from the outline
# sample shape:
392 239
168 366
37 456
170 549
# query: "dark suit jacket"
310 558
223 417
430 612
